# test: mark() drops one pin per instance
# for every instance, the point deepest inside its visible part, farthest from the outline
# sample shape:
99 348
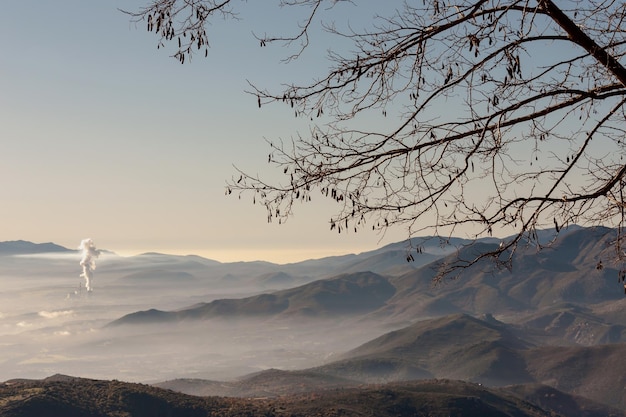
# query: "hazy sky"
104 136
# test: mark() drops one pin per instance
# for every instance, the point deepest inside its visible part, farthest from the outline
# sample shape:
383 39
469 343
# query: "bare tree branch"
482 115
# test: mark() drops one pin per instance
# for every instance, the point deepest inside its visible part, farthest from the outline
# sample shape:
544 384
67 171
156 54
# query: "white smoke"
88 261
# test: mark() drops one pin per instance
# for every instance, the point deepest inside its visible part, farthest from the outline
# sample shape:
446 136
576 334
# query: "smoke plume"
88 261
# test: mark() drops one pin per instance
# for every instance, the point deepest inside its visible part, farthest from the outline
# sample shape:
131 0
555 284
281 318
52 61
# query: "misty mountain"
347 294
157 257
556 319
391 262
565 272
492 353
155 261
454 347
22 247
280 280
393 257
80 397
457 346
390 259
142 269
461 347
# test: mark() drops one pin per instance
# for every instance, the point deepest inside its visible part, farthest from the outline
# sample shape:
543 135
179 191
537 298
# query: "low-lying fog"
49 324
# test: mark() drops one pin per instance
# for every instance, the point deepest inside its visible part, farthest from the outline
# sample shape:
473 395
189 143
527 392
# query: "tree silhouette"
499 115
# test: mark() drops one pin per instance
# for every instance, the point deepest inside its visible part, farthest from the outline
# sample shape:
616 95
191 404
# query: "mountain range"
545 337
22 247
561 280
552 320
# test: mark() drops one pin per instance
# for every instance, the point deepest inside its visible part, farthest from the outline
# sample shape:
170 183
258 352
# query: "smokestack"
88 261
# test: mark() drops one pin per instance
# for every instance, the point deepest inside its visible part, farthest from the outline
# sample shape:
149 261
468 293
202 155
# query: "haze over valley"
257 329
51 324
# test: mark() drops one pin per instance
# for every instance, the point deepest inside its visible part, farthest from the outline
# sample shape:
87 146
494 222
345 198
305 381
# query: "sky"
102 135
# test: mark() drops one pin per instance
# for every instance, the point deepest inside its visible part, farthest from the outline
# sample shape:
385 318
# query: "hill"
561 403
491 353
456 347
79 397
268 383
595 372
22 247
574 324
565 272
343 295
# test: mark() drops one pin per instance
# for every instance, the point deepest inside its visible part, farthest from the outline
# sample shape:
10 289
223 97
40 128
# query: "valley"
345 327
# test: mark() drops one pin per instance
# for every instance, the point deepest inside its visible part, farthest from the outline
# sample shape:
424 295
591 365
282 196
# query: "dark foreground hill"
73 397
267 383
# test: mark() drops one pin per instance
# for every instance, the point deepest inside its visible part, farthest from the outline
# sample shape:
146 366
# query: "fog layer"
50 323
